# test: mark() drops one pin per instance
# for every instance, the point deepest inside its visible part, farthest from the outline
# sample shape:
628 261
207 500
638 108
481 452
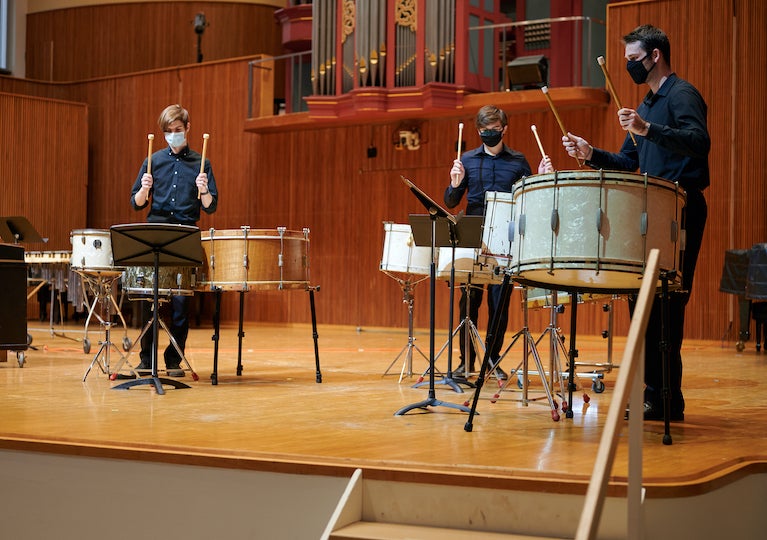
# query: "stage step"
365 530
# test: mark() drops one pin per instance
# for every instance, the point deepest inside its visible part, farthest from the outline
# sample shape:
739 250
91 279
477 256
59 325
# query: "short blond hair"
170 114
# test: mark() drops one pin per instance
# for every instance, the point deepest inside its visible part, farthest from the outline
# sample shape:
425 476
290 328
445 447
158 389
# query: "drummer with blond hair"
176 185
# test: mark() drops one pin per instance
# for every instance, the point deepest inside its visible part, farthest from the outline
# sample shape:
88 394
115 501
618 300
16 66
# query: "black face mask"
637 70
491 137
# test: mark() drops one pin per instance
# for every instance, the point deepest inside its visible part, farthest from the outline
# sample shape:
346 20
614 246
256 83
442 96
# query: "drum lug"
554 220
643 224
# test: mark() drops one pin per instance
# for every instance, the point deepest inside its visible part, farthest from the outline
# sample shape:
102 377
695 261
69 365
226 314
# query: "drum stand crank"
407 298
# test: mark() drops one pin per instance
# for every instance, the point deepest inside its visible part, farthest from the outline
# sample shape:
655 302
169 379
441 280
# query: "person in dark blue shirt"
672 142
493 166
175 192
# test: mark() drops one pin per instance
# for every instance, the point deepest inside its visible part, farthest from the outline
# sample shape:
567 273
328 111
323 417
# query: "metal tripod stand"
101 359
529 347
408 298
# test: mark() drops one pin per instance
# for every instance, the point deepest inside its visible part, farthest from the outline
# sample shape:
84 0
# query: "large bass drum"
584 230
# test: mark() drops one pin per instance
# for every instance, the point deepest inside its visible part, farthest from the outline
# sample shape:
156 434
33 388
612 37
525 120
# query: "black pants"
494 300
178 327
694 222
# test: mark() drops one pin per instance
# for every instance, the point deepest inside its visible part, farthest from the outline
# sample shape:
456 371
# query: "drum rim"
600 177
252 233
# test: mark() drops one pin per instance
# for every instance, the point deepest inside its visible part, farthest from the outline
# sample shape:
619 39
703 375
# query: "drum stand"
407 298
449 379
100 283
473 338
102 356
240 334
529 346
144 330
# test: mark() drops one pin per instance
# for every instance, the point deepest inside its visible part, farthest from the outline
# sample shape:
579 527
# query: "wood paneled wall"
86 42
718 49
321 178
45 166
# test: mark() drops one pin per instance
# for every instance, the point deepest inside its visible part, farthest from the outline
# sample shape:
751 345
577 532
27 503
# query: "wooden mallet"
545 90
601 62
150 138
538 140
205 138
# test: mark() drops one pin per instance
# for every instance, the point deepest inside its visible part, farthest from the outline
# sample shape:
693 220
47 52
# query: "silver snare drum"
138 281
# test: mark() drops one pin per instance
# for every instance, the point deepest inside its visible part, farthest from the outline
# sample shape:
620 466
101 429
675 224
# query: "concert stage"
269 453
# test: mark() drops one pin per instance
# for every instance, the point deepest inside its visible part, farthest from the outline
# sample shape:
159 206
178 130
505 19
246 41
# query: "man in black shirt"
672 142
171 192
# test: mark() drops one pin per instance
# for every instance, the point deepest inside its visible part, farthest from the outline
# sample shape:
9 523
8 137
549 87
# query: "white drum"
91 249
468 268
400 254
497 233
583 230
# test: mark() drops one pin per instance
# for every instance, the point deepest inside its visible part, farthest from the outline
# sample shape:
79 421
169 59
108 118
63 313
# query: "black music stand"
158 244
17 229
465 233
437 214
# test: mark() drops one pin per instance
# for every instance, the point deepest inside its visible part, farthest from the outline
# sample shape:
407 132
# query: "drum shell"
400 254
468 267
594 240
497 229
255 259
91 249
138 281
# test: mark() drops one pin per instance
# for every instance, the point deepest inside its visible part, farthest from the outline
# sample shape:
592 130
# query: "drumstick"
538 140
458 144
601 62
545 90
205 138
150 138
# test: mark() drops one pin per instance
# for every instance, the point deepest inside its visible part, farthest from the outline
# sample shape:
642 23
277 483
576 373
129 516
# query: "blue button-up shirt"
486 172
173 197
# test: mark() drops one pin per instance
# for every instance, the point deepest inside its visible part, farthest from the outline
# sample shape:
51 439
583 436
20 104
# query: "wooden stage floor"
275 417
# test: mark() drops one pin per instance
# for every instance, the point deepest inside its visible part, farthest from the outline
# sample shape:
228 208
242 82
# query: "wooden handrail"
630 364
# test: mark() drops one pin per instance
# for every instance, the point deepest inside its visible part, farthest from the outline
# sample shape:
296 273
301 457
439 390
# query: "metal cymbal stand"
408 298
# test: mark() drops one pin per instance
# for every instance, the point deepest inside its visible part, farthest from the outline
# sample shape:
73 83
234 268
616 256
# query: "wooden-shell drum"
91 250
584 230
255 259
400 254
